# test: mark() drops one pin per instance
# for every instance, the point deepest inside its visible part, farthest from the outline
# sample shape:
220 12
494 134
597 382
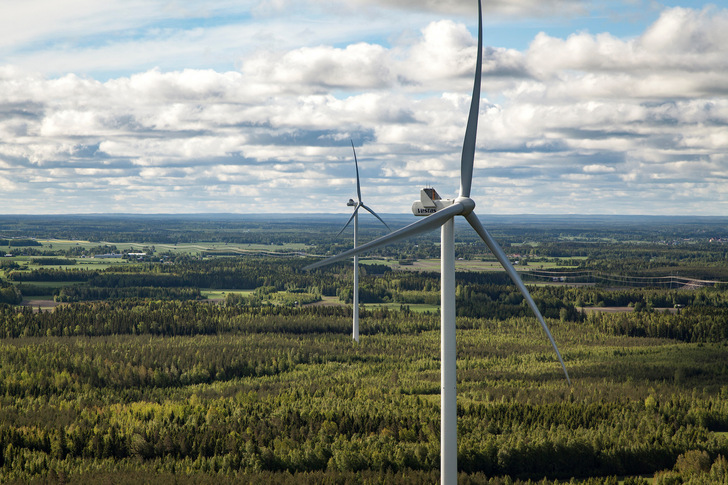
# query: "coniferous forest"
198 350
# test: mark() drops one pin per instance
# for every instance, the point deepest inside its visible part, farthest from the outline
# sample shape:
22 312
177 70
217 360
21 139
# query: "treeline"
52 274
82 293
175 311
714 269
10 294
174 318
50 261
648 298
245 273
479 294
501 302
238 273
19 242
8 265
692 324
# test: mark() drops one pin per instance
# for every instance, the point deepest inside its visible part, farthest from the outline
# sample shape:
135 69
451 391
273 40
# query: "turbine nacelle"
430 202
357 205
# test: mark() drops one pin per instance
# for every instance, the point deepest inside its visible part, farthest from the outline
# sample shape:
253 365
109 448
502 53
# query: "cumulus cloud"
596 168
357 66
441 57
680 55
581 123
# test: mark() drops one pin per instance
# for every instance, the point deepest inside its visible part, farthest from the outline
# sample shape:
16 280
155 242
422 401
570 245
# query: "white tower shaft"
355 330
448 359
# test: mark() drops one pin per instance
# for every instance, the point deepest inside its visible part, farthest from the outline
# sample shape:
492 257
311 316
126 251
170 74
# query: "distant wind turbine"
355 217
441 213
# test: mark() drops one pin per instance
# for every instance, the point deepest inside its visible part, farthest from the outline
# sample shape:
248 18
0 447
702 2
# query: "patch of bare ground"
606 309
41 304
327 301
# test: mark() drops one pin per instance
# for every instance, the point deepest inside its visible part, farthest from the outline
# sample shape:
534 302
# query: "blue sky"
589 107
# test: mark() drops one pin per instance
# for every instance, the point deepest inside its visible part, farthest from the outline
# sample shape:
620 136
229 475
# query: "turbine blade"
349 221
503 259
375 215
356 164
423 225
468 157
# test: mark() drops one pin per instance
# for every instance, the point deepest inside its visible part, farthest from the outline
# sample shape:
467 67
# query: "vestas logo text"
426 211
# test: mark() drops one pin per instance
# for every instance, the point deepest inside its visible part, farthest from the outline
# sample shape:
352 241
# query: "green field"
221 294
100 264
183 248
196 248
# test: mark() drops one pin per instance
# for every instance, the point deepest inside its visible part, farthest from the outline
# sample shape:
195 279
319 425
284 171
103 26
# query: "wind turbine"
440 213
355 217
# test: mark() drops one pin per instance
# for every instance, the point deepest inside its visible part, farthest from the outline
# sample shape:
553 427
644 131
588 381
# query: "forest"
196 365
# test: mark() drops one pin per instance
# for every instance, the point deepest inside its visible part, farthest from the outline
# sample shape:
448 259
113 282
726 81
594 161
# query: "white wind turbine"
355 216
440 213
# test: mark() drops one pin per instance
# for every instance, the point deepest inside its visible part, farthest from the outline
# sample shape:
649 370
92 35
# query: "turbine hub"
468 205
351 203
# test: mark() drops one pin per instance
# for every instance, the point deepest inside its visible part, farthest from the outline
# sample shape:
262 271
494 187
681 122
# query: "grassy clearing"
26 263
50 284
187 248
387 262
544 265
100 264
221 294
415 307
460 265
66 244
329 301
198 247
467 265
42 302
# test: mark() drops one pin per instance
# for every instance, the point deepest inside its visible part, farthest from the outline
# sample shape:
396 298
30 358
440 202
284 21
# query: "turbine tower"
441 213
355 217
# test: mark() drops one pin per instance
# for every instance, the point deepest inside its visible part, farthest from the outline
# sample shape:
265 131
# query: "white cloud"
574 124
356 66
681 55
596 168
445 51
